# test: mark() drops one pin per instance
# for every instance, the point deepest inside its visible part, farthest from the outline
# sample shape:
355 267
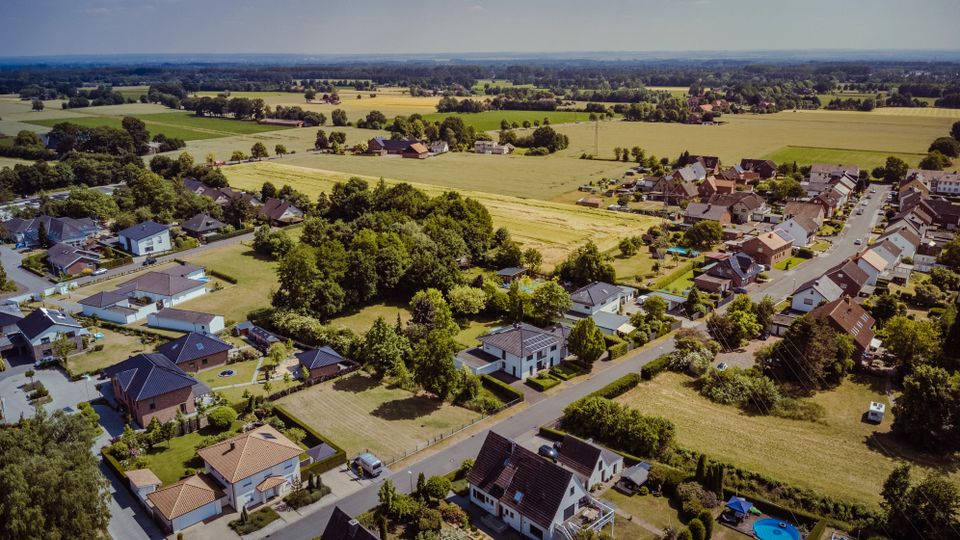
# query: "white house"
801 229
186 321
253 467
533 496
439 147
521 350
187 502
492 147
888 251
169 287
593 464
871 263
145 238
811 294
904 238
43 326
600 296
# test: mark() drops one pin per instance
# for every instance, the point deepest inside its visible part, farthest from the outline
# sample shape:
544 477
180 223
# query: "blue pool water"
683 251
774 529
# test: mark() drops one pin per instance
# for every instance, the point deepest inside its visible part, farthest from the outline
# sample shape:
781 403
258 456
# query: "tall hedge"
618 387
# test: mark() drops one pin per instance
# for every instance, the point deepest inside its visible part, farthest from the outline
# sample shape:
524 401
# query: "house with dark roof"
280 212
71 260
202 225
511 274
599 296
849 317
520 350
145 238
739 269
25 233
116 307
185 320
532 495
43 326
10 342
764 167
671 191
385 146
192 500
196 351
712 186
697 212
343 527
743 205
324 363
169 286
849 277
150 386
593 464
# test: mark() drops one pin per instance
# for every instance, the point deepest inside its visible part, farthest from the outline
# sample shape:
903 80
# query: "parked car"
99 272
149 260
548 451
722 366
740 290
369 464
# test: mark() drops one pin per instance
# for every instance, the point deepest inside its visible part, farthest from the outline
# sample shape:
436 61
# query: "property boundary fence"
445 435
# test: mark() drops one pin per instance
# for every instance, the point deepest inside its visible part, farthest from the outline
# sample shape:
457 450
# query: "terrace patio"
593 516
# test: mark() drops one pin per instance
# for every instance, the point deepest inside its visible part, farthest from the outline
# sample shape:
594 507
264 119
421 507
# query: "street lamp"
410 475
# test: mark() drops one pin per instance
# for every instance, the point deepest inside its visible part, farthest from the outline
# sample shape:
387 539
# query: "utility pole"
596 137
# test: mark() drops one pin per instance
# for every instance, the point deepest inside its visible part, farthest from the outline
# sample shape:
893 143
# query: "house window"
153 405
553 348
289 466
204 361
571 490
529 357
808 301
45 340
503 355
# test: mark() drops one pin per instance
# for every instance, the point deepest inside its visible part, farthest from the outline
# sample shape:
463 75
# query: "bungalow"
150 386
632 478
592 464
43 326
849 317
280 122
168 287
70 260
696 212
321 364
115 307
262 339
521 350
764 167
343 527
612 323
813 293
202 226
253 467
279 212
145 238
492 147
196 351
537 498
186 321
592 202
25 233
600 296
872 263
192 500
416 151
768 248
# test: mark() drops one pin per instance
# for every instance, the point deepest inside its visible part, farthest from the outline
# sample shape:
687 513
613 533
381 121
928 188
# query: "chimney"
233 445
353 525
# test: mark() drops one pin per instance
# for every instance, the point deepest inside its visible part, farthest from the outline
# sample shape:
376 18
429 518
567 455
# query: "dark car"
149 260
740 290
548 451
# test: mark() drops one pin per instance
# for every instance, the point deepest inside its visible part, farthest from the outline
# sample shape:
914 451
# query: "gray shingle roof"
103 299
9 314
202 223
143 230
186 315
164 282
42 319
317 358
192 346
149 375
595 294
521 339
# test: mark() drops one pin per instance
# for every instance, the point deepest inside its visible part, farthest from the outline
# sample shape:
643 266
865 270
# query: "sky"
61 27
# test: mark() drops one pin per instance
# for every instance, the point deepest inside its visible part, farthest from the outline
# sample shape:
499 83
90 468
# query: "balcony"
593 515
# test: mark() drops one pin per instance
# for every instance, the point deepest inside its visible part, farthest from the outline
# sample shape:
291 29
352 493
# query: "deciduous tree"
586 341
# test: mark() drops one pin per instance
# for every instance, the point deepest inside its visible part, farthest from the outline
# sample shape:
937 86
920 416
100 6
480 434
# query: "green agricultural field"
675 91
490 120
858 455
131 92
358 413
182 125
866 159
553 228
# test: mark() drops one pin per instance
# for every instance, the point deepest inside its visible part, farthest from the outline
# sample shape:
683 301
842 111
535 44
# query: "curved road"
447 459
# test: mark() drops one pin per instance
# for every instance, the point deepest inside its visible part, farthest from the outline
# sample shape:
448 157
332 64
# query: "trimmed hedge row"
220 275
567 370
618 387
672 276
113 463
553 434
618 350
501 389
224 236
313 438
541 384
655 367
110 264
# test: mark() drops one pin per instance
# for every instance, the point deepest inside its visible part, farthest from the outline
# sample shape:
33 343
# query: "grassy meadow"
866 159
858 456
490 120
553 228
182 125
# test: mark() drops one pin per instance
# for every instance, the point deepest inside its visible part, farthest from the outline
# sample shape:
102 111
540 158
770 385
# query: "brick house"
196 352
763 167
66 259
150 386
322 364
768 248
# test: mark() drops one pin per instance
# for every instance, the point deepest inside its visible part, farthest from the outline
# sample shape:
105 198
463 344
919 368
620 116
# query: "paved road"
549 409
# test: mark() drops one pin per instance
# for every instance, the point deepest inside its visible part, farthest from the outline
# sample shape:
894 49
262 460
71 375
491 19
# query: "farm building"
416 151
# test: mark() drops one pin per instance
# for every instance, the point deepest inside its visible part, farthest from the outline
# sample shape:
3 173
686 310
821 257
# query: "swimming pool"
774 529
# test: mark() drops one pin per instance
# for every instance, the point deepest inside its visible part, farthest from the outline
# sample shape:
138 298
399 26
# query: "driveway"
28 281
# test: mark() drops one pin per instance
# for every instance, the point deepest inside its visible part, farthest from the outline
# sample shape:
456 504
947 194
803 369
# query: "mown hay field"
840 456
389 101
553 228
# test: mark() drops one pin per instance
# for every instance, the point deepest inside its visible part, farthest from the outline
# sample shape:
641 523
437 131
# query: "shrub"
697 529
655 367
255 521
619 426
430 520
220 275
706 519
542 382
222 417
805 253
501 389
618 350
453 514
618 387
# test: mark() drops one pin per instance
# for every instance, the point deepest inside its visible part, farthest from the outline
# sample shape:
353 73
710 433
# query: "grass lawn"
821 245
682 283
789 263
169 460
244 374
358 413
858 456
648 512
553 228
634 268
362 320
256 281
235 394
117 347
468 336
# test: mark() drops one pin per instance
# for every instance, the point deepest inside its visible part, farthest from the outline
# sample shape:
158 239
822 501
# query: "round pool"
774 529
227 373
